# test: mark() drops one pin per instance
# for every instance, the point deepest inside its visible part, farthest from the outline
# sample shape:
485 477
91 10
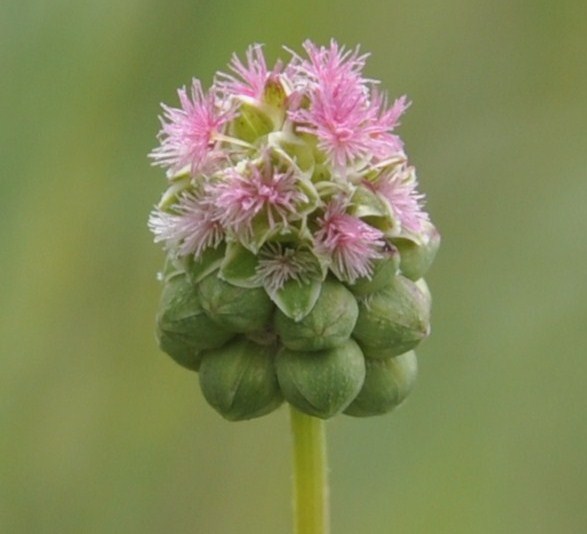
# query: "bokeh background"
101 433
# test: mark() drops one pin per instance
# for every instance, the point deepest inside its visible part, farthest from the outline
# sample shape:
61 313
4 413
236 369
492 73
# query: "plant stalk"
310 480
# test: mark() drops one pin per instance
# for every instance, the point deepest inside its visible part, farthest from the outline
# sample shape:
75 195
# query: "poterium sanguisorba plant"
296 244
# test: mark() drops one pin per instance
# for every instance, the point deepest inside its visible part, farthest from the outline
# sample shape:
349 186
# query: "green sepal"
313 197
321 383
173 266
260 232
239 380
293 150
417 255
250 123
367 203
173 193
395 318
274 94
387 383
296 299
239 309
208 262
239 266
329 323
322 173
179 175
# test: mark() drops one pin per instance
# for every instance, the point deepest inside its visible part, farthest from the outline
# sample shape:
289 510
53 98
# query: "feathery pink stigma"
250 79
399 188
242 196
191 230
331 64
350 243
338 101
188 133
381 122
348 117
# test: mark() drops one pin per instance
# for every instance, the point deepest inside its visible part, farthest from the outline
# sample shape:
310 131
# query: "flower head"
349 243
275 155
188 133
290 189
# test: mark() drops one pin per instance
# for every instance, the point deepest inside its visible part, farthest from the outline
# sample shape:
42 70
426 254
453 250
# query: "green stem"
311 512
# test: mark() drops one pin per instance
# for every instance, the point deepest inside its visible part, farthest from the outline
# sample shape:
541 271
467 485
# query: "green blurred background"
100 433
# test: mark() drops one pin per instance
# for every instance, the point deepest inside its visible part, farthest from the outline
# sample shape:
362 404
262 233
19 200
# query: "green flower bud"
321 383
387 383
238 309
183 329
239 381
394 319
328 325
416 258
384 270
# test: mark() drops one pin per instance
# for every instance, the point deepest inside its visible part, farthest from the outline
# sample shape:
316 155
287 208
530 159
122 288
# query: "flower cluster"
282 180
304 152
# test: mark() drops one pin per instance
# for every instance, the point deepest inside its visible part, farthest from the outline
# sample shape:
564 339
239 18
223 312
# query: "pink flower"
278 264
399 188
243 195
250 79
351 124
188 133
349 243
338 100
190 230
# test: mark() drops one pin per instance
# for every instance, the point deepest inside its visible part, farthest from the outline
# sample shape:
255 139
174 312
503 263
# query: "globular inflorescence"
296 238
